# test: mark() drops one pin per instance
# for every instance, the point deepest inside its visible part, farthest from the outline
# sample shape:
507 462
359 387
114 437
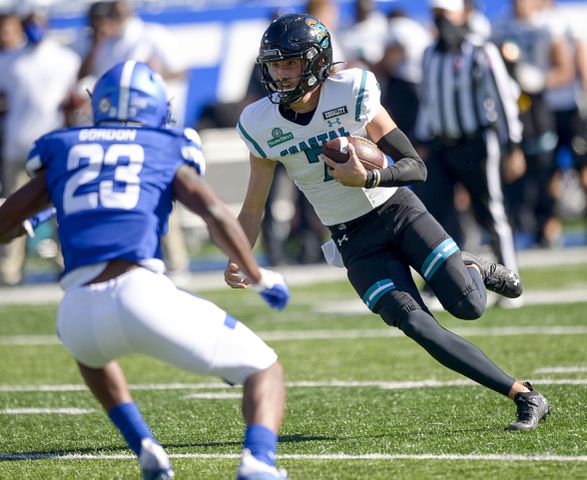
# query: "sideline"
296 275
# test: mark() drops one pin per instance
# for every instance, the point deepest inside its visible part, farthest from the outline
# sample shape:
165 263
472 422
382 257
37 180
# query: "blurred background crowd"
51 53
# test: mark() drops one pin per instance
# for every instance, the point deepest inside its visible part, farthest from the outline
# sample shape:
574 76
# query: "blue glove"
33 222
273 289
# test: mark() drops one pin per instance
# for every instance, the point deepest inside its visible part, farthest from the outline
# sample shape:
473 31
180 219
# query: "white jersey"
348 101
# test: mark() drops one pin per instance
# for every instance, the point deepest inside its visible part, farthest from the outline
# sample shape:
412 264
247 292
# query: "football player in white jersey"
112 186
379 227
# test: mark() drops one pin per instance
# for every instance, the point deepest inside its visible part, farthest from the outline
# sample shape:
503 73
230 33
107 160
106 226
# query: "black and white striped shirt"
465 92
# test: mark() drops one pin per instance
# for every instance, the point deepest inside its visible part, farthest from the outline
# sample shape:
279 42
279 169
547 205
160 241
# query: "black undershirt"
295 117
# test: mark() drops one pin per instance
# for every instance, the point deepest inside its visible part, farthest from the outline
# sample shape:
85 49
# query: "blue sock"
262 443
127 418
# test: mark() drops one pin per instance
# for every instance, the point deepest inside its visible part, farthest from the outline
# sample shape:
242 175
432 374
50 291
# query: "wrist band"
370 178
377 174
373 178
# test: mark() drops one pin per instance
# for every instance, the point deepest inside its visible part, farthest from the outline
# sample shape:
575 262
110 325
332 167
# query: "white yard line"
291 335
213 396
531 297
575 369
385 385
323 456
38 411
29 340
395 333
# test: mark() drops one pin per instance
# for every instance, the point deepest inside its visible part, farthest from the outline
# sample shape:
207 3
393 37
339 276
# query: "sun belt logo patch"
279 137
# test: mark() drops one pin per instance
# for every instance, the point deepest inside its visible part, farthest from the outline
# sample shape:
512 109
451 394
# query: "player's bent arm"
260 180
225 230
22 204
251 214
408 167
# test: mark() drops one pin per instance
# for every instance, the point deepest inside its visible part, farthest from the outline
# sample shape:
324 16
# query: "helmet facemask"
295 37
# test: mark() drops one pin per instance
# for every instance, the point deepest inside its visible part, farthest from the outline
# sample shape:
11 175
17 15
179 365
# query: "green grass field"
363 402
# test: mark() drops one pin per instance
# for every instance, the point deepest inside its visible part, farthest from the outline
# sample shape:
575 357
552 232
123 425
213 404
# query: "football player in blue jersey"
379 227
112 186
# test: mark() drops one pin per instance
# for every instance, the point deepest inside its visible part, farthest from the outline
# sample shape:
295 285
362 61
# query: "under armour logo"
332 123
342 239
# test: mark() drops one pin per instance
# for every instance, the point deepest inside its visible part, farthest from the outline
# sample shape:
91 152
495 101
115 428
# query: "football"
369 154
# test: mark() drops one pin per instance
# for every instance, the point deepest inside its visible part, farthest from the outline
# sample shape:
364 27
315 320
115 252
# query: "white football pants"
143 312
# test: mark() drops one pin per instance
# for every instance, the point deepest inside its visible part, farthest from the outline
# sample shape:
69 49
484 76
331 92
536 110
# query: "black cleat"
496 277
531 407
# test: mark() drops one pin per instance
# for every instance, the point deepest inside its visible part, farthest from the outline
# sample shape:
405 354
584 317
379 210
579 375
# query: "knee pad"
400 317
416 323
470 307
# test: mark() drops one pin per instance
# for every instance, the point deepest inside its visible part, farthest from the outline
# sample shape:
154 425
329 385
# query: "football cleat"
531 408
154 461
496 277
252 469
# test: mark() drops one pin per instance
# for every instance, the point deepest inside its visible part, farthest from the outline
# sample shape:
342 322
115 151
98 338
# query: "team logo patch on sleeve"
335 112
279 137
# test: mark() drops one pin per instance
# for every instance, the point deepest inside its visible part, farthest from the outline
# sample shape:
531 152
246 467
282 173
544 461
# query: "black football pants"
378 250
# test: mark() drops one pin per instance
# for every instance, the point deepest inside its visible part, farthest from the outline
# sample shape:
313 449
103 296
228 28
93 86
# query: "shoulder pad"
192 135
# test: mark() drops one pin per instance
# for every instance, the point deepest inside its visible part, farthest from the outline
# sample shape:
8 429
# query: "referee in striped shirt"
468 120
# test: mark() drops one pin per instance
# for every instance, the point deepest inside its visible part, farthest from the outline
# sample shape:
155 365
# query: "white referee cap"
450 5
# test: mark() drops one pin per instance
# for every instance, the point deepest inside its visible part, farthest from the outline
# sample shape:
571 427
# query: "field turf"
363 401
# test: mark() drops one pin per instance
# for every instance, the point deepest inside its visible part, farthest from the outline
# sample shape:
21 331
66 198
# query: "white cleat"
252 469
154 461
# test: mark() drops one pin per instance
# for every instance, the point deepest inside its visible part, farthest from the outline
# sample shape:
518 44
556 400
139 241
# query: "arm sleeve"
408 166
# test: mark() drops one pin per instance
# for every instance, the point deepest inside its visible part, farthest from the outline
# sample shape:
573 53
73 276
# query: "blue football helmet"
131 92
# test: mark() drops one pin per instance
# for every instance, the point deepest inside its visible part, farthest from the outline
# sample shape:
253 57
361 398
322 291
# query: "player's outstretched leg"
496 277
263 406
531 407
108 384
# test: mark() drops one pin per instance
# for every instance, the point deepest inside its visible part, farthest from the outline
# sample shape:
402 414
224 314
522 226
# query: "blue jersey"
112 188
